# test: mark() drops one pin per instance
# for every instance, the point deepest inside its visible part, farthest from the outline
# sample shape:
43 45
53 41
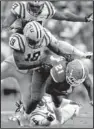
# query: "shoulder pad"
18 9
58 72
48 36
17 42
51 9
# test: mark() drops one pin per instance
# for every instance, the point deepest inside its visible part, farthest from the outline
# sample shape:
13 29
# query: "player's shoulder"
58 72
49 4
51 9
50 38
47 35
18 8
17 42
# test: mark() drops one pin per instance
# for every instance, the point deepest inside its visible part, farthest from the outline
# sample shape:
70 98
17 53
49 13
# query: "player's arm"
9 20
89 86
67 50
22 63
50 87
14 13
69 16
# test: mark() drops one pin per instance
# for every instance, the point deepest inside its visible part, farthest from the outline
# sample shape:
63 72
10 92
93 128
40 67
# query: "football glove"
89 18
89 55
91 103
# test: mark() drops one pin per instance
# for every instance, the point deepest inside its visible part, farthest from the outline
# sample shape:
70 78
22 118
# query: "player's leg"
37 91
25 87
9 69
68 110
57 107
31 95
57 100
6 70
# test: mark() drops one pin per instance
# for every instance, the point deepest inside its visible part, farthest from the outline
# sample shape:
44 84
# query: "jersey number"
14 6
33 57
59 68
12 41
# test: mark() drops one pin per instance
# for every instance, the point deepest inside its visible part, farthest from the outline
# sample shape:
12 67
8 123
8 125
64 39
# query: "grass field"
84 120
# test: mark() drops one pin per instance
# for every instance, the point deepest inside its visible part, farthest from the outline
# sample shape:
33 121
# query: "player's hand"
89 55
89 18
91 103
47 67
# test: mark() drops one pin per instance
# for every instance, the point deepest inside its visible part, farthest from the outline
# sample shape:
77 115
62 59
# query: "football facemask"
33 44
73 82
71 79
35 7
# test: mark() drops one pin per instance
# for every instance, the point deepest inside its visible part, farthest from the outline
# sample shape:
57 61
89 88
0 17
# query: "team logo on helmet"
75 73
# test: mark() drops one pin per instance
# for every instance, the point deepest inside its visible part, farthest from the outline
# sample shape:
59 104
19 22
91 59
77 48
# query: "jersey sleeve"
51 9
49 37
18 8
16 42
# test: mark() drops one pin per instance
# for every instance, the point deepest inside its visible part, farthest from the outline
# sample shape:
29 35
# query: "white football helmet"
42 115
34 33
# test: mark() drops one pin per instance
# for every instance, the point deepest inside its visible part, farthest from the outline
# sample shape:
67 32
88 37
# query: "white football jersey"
18 42
20 9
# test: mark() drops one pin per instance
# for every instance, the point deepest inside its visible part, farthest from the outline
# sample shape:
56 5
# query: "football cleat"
17 114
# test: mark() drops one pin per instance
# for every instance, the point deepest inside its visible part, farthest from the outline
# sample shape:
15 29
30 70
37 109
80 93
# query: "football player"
24 12
68 75
29 52
44 114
